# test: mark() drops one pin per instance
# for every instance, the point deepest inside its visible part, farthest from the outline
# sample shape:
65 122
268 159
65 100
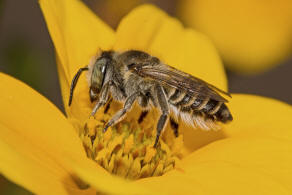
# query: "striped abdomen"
201 110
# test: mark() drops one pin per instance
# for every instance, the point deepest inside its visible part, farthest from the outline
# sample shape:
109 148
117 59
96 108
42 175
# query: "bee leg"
160 126
143 101
174 126
162 101
108 105
102 99
119 115
142 116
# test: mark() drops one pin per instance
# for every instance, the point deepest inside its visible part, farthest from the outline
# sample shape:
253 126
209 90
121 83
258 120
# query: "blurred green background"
27 53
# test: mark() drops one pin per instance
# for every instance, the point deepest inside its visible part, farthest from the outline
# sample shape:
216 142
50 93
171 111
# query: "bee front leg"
121 113
104 95
162 101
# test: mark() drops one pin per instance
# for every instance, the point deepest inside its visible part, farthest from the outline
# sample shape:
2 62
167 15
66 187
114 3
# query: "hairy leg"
108 105
119 115
142 116
102 100
174 126
163 104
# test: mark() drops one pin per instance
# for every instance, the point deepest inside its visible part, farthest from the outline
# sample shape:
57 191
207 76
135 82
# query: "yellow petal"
252 157
259 116
149 29
114 10
252 36
77 35
34 135
197 138
31 168
252 115
232 166
257 165
106 183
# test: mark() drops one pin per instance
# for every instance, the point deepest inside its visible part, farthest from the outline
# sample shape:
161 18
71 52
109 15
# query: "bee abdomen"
223 114
212 109
201 106
176 97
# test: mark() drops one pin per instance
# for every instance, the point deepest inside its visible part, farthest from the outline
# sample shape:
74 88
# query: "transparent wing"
179 80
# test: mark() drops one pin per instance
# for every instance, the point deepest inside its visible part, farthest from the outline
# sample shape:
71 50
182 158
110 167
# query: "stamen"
127 149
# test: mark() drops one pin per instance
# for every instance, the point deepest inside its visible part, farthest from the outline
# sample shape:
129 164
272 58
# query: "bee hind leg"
142 116
174 126
143 101
163 104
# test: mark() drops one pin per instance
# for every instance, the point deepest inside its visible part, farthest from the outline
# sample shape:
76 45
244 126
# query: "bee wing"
179 80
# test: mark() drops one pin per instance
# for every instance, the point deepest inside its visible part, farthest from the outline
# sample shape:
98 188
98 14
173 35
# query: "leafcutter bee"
137 76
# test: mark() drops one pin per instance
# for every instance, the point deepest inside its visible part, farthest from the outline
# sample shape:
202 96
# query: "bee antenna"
74 82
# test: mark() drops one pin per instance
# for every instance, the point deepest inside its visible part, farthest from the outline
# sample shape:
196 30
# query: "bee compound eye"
102 69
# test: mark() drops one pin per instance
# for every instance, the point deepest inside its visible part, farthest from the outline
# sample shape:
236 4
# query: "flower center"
126 149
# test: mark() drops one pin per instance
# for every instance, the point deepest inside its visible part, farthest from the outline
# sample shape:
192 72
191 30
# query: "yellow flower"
113 10
41 150
251 35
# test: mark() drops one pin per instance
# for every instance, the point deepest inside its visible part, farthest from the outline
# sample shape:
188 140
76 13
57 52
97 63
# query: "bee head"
97 77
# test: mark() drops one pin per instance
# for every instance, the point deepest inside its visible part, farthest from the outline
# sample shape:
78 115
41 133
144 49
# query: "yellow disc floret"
127 148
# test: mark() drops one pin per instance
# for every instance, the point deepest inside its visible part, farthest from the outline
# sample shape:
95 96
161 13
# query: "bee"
134 75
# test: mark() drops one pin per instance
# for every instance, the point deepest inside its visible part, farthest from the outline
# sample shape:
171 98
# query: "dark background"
27 53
